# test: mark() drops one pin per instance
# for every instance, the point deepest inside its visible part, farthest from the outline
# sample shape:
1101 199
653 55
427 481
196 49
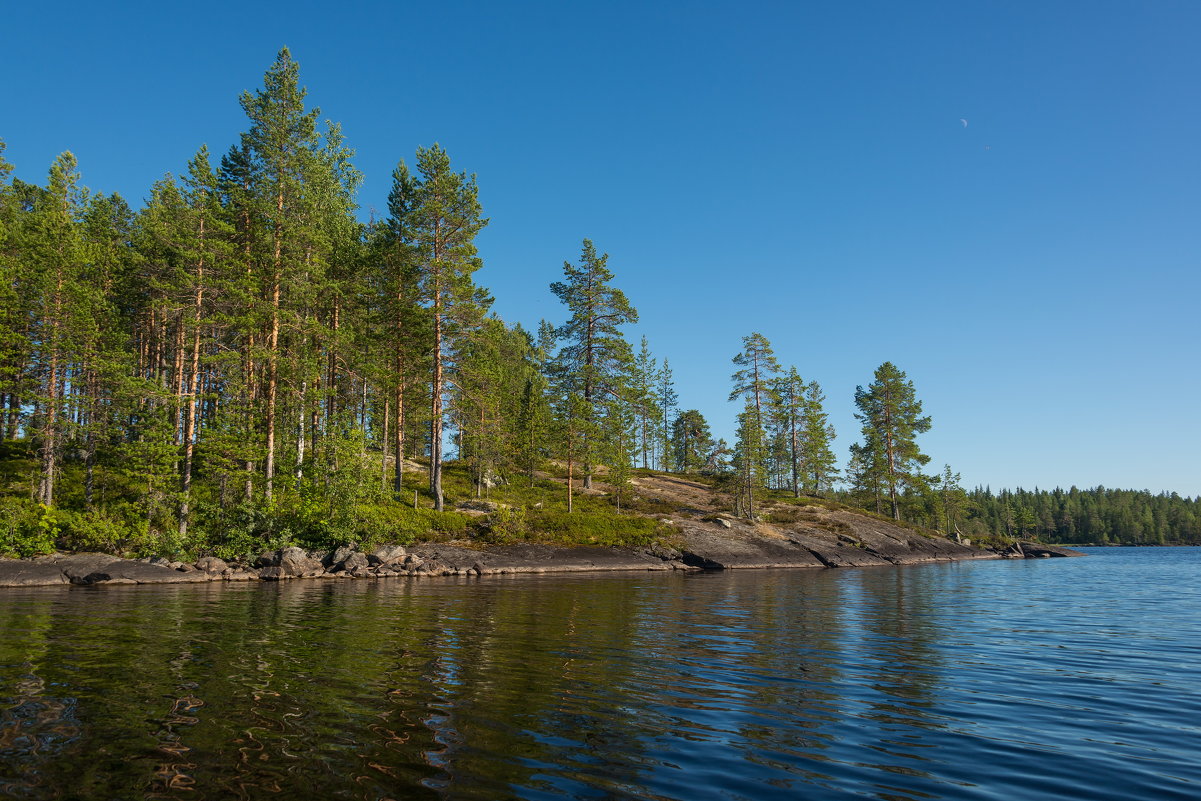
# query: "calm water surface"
1047 679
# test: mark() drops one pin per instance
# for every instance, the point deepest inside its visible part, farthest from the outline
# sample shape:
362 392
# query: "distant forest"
242 363
1097 516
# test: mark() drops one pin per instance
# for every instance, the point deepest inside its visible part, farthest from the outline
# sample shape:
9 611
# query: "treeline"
1098 516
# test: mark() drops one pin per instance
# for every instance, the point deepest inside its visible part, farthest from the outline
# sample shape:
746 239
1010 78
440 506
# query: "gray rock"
98 568
721 521
273 573
338 556
293 562
1039 551
211 564
355 561
664 553
22 573
478 505
387 555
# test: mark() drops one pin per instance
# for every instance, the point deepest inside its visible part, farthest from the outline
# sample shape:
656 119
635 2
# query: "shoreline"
699 552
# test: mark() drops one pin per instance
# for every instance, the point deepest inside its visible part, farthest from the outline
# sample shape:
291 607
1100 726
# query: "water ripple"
995 680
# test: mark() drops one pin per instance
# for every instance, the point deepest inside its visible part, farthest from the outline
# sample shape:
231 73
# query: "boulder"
338 556
298 564
387 555
211 564
353 561
292 563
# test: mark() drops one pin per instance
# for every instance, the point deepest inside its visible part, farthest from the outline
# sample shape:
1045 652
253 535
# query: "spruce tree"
667 401
788 414
748 460
817 454
692 442
952 501
642 391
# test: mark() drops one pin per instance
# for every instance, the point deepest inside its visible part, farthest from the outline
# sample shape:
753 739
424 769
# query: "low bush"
583 528
27 528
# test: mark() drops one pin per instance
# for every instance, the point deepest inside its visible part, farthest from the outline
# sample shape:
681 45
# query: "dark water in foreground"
1064 678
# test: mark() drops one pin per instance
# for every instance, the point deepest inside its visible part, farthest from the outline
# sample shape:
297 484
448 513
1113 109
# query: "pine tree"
55 246
13 317
596 358
206 249
282 145
892 419
753 381
445 218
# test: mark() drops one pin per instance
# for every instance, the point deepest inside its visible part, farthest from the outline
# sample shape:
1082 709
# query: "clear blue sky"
798 169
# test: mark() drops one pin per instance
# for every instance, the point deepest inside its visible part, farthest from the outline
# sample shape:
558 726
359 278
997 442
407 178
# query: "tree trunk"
399 432
383 467
273 348
300 411
569 477
796 466
50 432
436 407
189 425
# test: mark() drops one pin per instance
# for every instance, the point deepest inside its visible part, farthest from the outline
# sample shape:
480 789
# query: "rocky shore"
714 543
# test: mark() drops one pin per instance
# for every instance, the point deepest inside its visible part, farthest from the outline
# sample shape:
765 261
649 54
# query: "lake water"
1040 679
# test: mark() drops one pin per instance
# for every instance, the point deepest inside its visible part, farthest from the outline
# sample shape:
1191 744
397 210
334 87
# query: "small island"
244 379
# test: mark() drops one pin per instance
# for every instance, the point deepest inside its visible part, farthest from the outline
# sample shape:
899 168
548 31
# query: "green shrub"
27 528
118 529
509 524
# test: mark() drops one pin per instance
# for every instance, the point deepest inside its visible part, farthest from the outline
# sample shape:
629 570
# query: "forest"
242 363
